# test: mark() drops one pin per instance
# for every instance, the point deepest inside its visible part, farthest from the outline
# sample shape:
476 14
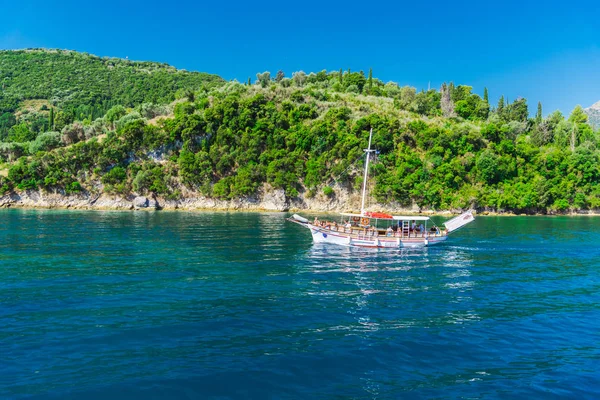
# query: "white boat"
380 230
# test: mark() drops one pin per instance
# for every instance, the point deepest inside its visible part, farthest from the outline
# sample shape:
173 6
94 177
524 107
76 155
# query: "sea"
215 305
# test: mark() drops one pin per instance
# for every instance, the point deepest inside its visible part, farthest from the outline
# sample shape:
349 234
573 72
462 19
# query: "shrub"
123 121
114 176
72 133
221 189
114 114
152 180
44 142
352 89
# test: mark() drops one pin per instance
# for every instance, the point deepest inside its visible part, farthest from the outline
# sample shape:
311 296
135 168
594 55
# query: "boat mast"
364 190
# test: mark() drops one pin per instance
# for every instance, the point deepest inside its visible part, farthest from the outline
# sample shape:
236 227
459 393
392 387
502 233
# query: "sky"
546 51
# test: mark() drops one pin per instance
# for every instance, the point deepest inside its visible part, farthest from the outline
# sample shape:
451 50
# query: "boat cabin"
382 224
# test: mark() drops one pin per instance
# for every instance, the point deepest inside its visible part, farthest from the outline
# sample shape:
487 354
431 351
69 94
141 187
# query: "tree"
341 76
63 118
191 96
582 131
249 81
370 80
51 119
517 111
485 95
7 121
264 78
113 115
500 108
280 76
20 133
538 115
299 78
578 116
355 78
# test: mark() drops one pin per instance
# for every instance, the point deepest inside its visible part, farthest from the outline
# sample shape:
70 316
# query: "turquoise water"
125 305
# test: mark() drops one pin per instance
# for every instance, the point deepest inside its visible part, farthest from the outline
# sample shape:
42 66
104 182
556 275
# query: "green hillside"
446 149
90 85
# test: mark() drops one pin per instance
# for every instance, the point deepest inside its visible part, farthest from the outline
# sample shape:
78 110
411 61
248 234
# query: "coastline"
264 201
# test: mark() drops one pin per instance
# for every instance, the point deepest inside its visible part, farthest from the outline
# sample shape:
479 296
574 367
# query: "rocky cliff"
593 113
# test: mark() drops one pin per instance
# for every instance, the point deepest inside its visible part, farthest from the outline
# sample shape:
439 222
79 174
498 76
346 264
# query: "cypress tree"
538 116
370 81
451 90
51 119
485 96
341 76
500 108
249 81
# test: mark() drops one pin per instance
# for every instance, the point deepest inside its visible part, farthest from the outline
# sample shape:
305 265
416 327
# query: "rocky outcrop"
267 198
141 202
593 113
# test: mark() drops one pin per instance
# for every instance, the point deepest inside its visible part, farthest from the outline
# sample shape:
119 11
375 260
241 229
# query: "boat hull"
321 235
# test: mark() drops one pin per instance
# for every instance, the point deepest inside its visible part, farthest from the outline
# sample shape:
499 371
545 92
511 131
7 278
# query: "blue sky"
543 51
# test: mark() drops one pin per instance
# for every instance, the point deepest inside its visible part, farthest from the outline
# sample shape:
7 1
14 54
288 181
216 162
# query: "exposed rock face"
140 202
267 199
593 113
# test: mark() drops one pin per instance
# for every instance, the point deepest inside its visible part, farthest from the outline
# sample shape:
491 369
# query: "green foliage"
115 176
114 114
151 178
20 133
45 142
297 135
7 121
81 79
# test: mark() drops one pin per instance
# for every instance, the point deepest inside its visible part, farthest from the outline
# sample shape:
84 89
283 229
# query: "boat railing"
364 234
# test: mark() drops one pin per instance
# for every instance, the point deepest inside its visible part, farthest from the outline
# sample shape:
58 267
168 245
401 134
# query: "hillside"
87 84
593 113
302 137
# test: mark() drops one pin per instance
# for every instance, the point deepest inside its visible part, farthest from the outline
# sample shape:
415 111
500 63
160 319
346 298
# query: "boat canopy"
395 217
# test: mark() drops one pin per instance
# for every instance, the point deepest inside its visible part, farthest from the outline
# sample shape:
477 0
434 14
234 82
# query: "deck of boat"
361 233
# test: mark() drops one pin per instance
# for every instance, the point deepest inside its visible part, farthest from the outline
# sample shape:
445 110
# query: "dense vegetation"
87 86
440 149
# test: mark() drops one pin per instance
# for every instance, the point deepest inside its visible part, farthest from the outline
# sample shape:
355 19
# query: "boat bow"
458 222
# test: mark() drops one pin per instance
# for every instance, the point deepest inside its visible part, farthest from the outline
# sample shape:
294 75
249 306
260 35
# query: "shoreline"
36 200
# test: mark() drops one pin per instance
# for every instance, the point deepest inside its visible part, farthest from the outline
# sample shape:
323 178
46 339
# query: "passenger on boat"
389 231
421 228
413 225
348 227
316 222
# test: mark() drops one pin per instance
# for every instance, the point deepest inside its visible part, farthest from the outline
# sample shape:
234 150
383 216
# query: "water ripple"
227 305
